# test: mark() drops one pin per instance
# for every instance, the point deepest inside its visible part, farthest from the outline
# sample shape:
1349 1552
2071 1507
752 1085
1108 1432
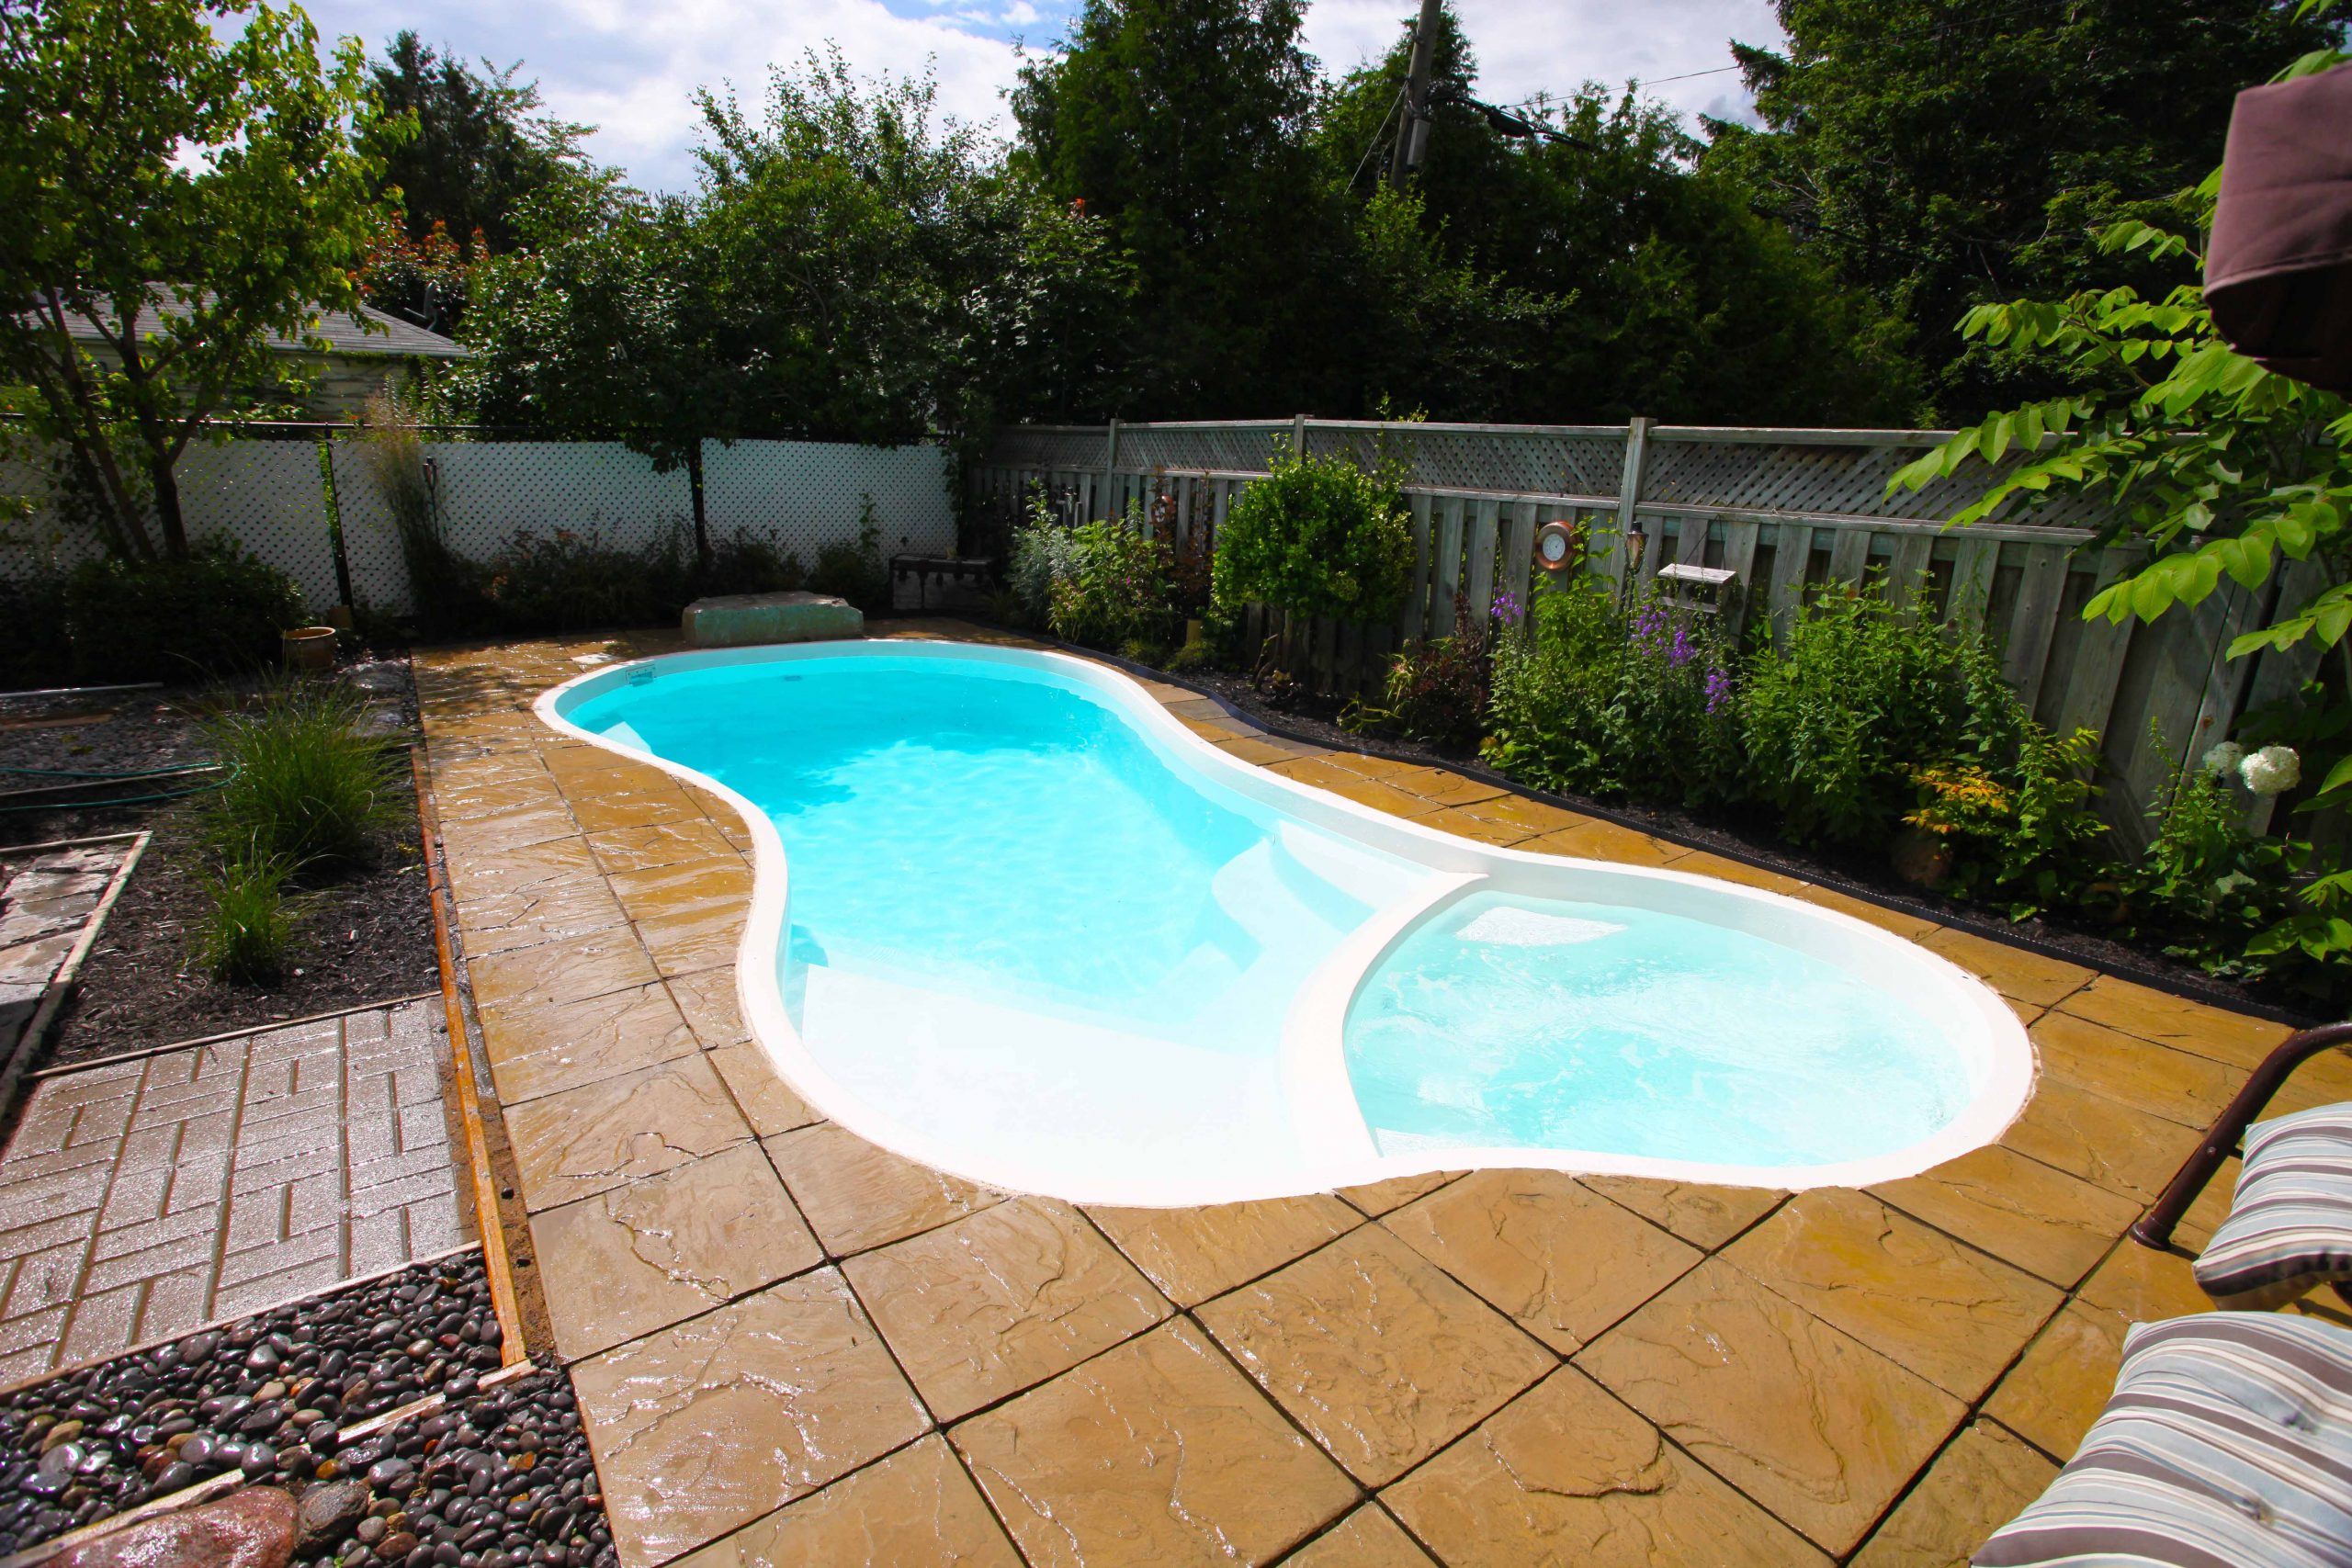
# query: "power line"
1686 76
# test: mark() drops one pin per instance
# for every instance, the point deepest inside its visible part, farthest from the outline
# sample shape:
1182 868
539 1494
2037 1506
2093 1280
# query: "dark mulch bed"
1316 719
367 937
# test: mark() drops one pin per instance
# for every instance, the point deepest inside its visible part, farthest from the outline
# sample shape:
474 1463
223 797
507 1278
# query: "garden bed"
1315 719
366 936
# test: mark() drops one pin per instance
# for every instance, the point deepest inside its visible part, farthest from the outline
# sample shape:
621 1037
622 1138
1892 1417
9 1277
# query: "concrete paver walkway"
142 1198
793 1346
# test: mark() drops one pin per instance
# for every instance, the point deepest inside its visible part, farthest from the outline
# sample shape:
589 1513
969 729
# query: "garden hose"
99 805
86 773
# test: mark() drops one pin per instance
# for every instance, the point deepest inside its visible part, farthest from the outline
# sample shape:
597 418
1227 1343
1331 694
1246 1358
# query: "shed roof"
365 331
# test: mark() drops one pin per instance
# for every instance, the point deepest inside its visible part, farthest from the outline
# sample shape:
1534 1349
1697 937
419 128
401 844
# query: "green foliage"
1837 717
479 152
1436 692
1102 584
2026 834
1183 124
307 784
1118 594
854 570
1602 275
1943 153
219 612
248 922
480 148
1594 700
851 268
2217 468
571 581
187 192
1316 536
35 650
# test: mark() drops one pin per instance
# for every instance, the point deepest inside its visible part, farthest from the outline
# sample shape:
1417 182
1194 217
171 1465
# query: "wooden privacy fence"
1787 511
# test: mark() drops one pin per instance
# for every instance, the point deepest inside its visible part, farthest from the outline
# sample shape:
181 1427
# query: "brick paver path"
140 1199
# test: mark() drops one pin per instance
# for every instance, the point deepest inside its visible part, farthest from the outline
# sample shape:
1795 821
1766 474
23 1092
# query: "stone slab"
744 620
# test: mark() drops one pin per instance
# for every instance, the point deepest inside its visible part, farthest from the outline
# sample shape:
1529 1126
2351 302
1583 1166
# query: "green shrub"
219 612
1316 536
1118 591
307 784
248 922
1590 699
34 647
854 570
1856 696
1044 553
1435 692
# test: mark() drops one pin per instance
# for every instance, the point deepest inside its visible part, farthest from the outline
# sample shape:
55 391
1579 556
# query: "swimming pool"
1013 920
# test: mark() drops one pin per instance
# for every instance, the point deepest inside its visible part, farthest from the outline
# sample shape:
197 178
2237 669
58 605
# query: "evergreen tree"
1943 153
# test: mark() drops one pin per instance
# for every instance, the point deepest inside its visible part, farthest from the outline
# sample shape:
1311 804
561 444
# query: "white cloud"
631 69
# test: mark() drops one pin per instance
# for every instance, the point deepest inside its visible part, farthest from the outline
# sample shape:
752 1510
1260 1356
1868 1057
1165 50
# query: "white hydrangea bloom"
2274 769
2223 760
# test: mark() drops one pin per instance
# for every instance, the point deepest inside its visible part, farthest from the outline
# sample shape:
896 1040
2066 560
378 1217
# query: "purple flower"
1718 688
1680 652
1505 607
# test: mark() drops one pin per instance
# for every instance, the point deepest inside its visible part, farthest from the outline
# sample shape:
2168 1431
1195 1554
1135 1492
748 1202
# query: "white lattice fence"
371 541
269 496
265 495
487 491
804 495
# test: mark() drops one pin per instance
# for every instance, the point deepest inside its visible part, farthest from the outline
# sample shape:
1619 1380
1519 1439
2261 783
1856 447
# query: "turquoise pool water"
1509 1022
1028 927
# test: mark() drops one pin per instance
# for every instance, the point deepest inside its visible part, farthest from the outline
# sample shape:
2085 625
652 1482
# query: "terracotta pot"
1920 858
309 649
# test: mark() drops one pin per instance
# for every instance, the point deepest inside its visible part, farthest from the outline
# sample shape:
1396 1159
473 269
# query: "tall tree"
1618 279
480 148
1185 124
473 151
1944 153
185 196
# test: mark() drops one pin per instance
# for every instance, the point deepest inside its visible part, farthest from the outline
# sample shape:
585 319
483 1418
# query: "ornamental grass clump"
248 923
307 784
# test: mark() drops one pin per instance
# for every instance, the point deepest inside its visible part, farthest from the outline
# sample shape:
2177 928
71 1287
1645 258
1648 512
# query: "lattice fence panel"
804 495
490 491
372 542
1051 447
1528 462
36 543
270 497
1244 446
267 496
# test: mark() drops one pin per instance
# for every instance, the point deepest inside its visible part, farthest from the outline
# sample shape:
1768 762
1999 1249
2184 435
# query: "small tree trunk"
167 510
702 526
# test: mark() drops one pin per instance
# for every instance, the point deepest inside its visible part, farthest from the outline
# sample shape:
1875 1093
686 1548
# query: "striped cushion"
2228 1443
2290 1226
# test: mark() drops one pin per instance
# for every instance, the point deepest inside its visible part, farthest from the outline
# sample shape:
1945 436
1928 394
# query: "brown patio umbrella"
2279 273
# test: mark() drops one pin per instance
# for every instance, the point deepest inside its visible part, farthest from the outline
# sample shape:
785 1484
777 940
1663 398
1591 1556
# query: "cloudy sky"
630 68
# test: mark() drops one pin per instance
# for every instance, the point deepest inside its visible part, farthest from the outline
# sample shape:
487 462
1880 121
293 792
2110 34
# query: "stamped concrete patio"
794 1347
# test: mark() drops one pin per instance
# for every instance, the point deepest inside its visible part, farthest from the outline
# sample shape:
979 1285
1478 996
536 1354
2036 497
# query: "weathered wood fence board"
1791 512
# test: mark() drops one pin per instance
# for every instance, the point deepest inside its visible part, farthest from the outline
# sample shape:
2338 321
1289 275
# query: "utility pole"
1413 131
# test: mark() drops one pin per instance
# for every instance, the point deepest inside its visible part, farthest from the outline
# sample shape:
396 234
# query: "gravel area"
499 1480
266 1396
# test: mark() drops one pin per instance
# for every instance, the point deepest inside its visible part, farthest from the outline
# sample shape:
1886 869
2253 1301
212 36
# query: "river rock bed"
500 1479
266 1396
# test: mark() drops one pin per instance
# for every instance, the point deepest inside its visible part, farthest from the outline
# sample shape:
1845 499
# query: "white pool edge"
1999 1054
